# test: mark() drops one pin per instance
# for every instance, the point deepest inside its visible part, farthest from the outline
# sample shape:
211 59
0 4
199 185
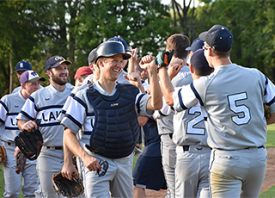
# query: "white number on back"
191 126
243 112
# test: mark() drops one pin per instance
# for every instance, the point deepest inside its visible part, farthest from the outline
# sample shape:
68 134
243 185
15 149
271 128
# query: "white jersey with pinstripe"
79 113
46 104
10 106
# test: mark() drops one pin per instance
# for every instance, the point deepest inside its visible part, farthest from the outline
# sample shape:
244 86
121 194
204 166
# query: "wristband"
160 65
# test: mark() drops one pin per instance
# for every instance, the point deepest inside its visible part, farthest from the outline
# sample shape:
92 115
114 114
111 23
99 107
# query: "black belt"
185 148
54 147
247 148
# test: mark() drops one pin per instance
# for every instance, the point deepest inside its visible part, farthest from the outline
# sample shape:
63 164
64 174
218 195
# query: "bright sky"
196 2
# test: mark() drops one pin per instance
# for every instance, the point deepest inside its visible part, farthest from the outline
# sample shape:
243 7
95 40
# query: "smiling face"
111 67
59 74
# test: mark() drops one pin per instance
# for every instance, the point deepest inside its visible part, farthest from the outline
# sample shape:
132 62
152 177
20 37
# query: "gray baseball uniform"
236 126
84 139
10 106
165 128
118 179
47 104
193 153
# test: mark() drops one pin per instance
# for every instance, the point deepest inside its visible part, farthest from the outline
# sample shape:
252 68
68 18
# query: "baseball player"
81 74
148 172
10 106
178 43
232 98
130 69
46 105
92 65
20 68
190 136
120 126
68 167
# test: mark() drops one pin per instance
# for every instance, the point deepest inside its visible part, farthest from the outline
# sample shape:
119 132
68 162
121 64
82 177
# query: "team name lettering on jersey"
14 122
49 115
11 120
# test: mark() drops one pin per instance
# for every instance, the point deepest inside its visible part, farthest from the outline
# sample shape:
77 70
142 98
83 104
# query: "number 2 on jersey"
243 112
191 126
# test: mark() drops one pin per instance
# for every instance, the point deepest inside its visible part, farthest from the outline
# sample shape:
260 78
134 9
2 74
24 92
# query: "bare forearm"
73 145
131 66
20 124
67 153
166 86
156 95
140 87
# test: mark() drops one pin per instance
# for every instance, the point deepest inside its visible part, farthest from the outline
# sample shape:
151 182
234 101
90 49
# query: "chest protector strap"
116 128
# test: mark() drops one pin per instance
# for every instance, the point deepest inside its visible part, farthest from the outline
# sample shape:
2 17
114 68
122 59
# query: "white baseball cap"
30 76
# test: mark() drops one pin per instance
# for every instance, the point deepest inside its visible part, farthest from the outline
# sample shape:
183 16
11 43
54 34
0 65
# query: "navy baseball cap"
199 61
218 38
92 56
120 40
30 76
23 66
55 61
196 44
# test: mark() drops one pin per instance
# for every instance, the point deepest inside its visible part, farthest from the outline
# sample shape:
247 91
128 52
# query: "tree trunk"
11 69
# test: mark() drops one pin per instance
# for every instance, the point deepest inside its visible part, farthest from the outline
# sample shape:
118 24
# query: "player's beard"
58 80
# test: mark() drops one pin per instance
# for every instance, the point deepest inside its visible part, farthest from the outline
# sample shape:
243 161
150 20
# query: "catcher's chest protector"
116 126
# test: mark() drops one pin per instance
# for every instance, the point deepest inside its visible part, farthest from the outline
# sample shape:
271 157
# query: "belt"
54 147
247 148
185 148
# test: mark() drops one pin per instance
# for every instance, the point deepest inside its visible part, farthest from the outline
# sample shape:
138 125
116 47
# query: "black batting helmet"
111 48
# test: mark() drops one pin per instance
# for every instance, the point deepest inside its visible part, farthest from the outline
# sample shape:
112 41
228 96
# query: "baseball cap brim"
36 79
67 62
202 36
125 56
188 48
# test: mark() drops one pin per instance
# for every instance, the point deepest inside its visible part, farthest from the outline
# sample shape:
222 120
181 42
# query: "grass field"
270 193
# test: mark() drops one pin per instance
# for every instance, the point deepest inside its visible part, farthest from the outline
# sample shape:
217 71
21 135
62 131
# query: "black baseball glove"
30 143
20 163
67 187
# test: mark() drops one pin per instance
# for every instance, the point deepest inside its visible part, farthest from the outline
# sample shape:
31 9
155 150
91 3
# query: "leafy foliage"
37 30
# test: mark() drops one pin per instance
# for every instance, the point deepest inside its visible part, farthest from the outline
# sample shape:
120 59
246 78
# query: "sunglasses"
104 167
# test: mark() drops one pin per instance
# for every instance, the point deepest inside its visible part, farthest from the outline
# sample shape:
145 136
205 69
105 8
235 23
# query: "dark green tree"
252 25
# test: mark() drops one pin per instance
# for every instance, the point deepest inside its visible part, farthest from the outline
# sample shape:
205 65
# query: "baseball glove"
266 112
30 143
67 187
164 58
20 163
3 155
